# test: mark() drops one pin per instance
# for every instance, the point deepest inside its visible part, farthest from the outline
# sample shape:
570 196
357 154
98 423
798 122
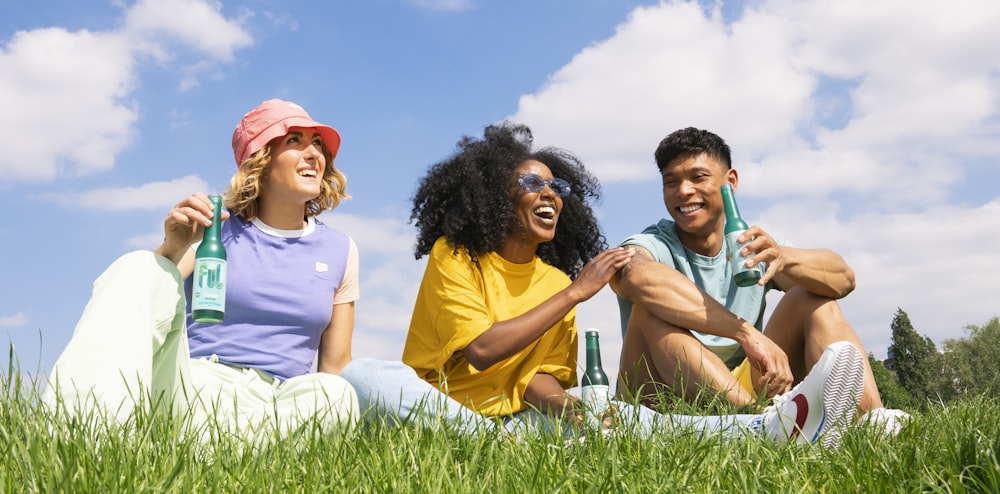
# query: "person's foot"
889 421
822 405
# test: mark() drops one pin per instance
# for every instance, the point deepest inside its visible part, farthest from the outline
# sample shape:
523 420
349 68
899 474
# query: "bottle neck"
733 220
214 231
593 350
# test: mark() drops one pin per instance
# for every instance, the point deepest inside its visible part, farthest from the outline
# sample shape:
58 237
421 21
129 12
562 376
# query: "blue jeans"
391 390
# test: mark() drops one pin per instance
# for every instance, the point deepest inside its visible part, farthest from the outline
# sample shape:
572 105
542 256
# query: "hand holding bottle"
743 273
760 247
185 224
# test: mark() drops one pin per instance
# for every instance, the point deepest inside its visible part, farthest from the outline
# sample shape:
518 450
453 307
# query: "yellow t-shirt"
459 301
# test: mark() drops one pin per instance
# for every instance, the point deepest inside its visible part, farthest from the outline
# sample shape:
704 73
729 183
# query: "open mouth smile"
690 208
546 213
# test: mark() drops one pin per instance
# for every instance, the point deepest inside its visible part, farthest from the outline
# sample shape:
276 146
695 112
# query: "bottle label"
736 259
595 401
209 285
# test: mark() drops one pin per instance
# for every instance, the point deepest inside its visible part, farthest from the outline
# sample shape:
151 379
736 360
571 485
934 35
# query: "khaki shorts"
744 377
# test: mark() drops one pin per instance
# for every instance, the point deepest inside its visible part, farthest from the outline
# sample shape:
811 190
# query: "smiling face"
691 194
537 212
297 165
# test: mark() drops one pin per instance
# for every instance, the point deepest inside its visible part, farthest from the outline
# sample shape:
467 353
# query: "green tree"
893 395
918 364
972 363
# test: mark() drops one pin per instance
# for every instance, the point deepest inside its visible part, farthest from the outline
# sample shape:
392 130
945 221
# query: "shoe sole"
841 393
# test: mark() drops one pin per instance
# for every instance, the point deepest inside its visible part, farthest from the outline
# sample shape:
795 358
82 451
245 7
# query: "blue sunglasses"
533 183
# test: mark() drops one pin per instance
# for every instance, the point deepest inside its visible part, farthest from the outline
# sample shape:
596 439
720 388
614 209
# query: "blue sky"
869 128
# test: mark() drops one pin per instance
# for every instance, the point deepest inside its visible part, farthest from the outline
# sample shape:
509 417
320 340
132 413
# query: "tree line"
925 376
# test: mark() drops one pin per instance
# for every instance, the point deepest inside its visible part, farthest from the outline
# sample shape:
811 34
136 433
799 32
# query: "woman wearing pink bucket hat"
291 287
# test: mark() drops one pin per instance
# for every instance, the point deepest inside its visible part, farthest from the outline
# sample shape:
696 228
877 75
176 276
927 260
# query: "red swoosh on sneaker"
801 413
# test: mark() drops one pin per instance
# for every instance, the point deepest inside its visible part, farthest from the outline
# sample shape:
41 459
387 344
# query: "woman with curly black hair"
513 248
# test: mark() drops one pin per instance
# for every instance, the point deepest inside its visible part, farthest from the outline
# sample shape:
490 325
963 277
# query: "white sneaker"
889 421
820 406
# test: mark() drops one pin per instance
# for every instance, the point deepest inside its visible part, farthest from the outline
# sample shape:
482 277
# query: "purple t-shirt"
279 298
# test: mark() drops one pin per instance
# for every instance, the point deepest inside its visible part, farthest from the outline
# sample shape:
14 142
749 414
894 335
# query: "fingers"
605 264
194 208
616 257
775 372
760 247
610 416
187 219
777 379
599 270
751 234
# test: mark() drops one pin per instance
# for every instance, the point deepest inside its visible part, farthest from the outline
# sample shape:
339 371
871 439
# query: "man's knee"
643 323
800 296
645 328
810 305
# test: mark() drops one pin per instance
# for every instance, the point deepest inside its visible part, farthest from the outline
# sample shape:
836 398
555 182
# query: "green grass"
946 449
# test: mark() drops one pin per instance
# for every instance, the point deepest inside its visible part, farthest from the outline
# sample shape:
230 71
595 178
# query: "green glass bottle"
208 292
735 226
595 391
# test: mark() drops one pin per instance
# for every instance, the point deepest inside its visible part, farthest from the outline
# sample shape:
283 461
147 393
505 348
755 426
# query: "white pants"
130 348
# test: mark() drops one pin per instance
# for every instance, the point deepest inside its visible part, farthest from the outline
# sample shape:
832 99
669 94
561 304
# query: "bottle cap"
592 330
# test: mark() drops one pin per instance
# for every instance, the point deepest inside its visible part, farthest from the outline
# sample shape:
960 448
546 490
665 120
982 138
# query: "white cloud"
282 20
390 236
449 5
931 264
667 67
179 119
924 80
382 345
871 180
154 196
935 265
66 94
149 241
195 23
15 321
921 93
63 98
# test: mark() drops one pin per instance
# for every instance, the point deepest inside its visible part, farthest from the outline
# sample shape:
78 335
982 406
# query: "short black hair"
466 199
692 141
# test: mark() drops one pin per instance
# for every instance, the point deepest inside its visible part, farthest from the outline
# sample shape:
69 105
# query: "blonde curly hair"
241 197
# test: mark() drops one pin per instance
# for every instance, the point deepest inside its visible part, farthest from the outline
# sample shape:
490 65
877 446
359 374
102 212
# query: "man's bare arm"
670 296
819 271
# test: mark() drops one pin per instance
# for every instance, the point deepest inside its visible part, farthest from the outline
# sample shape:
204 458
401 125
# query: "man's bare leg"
804 324
657 356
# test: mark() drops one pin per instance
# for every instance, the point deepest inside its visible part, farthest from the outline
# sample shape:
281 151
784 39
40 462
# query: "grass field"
947 449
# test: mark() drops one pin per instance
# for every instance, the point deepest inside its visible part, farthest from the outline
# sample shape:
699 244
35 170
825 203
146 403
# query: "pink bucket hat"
272 119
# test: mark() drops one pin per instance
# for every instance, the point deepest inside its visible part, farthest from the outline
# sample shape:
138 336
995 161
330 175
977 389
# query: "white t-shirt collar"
274 232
